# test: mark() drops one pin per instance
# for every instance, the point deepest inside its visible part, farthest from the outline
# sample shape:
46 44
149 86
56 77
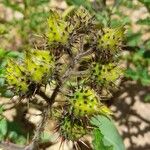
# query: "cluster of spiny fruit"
74 34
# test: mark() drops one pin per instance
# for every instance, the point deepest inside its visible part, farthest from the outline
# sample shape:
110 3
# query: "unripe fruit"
39 64
85 103
71 129
31 72
15 76
81 18
58 29
105 74
111 39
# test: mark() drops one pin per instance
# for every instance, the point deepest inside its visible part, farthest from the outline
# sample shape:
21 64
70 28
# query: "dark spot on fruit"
85 102
80 110
23 73
44 58
86 91
90 106
104 79
63 33
22 79
93 71
96 76
94 65
100 67
81 90
77 96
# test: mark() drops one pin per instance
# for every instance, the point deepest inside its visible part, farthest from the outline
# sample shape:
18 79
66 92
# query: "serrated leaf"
98 141
109 131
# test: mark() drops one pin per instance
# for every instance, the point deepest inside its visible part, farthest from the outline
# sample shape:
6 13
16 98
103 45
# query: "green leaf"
98 141
14 54
13 5
85 3
2 52
109 131
46 136
133 39
35 3
1 109
3 126
147 2
147 98
131 74
145 21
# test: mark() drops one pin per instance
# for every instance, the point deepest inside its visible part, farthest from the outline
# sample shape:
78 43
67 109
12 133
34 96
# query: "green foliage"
3 128
147 98
146 3
10 130
140 70
145 21
85 3
98 141
33 15
108 134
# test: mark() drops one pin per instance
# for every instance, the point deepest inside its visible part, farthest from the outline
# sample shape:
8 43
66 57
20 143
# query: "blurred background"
22 24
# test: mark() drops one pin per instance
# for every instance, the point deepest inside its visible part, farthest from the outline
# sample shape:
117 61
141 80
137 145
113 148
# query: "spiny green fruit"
111 39
81 18
85 103
26 76
71 129
15 76
58 29
106 74
39 64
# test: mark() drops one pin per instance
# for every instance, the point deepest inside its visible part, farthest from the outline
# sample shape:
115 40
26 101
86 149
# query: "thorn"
84 143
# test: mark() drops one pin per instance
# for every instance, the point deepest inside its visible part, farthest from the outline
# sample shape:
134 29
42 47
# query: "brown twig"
35 141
